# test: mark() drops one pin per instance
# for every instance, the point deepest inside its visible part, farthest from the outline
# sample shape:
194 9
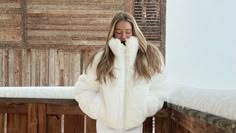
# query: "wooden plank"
13 35
2 122
32 118
56 67
9 1
203 117
13 108
68 27
7 101
37 67
67 44
61 67
69 12
26 67
75 47
193 125
2 84
54 123
66 69
11 67
16 123
76 66
75 5
147 125
163 26
6 67
17 67
52 66
1 68
162 121
69 21
33 67
44 67
72 109
74 124
42 118
91 125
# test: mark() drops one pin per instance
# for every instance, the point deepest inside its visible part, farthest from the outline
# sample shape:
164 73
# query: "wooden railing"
19 115
53 110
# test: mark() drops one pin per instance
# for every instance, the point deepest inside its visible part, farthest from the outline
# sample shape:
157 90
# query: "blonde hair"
148 60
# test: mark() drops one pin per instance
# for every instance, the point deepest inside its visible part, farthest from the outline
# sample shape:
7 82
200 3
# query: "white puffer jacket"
122 103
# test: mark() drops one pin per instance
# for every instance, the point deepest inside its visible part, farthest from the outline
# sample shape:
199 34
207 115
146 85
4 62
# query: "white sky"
201 43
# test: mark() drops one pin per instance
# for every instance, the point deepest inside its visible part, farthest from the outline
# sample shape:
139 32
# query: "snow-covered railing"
53 109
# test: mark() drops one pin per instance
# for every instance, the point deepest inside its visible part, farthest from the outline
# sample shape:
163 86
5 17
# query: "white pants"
101 128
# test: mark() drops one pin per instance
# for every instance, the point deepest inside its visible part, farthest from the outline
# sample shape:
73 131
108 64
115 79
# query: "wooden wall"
46 42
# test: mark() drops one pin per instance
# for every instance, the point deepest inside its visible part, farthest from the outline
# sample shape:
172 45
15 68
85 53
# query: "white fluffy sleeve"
88 92
155 99
159 92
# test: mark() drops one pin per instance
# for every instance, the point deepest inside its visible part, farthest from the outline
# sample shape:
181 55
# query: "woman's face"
123 30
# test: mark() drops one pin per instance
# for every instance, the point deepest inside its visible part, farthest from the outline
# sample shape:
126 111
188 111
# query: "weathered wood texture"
38 67
48 116
194 121
47 43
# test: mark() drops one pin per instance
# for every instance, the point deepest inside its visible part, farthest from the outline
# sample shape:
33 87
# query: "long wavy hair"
148 60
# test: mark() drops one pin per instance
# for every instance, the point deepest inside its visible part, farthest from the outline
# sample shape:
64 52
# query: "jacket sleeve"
88 93
157 93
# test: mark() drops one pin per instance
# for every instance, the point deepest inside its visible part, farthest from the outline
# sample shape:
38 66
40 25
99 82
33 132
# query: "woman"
120 85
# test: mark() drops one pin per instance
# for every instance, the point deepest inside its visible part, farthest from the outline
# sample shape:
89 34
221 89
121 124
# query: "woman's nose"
124 36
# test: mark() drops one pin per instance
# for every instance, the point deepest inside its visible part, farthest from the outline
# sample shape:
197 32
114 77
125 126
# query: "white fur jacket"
123 102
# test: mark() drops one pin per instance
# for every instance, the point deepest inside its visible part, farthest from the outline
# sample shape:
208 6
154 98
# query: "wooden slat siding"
75 5
61 67
2 84
10 21
13 108
66 70
42 118
54 120
76 61
6 67
18 67
11 67
1 67
26 67
54 123
73 120
72 19
16 123
163 26
37 67
73 124
44 67
32 121
128 6
52 65
32 67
